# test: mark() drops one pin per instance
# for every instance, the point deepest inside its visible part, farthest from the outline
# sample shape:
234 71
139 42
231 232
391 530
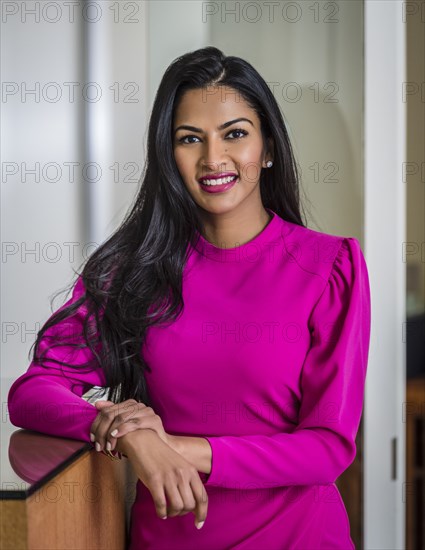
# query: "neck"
233 229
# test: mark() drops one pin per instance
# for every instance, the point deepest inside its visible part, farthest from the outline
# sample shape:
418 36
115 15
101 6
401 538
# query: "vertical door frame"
385 234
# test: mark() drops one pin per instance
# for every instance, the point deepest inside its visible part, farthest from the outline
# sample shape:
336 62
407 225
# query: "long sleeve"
48 398
332 382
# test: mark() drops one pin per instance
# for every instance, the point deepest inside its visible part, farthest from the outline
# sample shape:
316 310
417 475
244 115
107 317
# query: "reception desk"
60 493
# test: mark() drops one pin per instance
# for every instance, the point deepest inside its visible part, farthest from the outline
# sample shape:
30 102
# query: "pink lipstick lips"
218 183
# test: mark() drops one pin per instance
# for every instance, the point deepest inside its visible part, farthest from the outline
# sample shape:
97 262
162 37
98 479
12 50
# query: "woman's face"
204 148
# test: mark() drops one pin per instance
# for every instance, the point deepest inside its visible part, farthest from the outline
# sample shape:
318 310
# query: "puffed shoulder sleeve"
332 381
47 397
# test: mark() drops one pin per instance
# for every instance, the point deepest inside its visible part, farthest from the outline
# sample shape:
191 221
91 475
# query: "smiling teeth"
220 181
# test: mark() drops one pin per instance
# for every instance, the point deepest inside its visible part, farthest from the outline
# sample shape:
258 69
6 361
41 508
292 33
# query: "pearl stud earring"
269 164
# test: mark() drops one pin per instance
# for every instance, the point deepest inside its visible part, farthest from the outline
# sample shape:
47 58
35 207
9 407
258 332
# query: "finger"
119 429
128 405
125 428
175 502
189 502
143 419
201 498
94 427
97 420
121 412
103 403
159 500
101 425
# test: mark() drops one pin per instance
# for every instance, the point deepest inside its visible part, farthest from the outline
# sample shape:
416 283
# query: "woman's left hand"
122 418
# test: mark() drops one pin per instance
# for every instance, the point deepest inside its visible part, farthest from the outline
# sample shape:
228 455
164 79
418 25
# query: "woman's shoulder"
318 252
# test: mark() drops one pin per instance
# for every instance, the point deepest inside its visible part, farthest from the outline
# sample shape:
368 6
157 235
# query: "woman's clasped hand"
117 419
173 482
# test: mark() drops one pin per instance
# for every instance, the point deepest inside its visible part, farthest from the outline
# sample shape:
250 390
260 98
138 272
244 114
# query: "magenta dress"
267 362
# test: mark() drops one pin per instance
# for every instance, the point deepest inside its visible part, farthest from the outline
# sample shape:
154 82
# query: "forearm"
42 401
195 450
126 443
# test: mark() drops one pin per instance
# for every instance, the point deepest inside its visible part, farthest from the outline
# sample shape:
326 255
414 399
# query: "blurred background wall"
73 126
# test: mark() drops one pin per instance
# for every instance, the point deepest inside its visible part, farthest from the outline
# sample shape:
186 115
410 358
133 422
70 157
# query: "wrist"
175 442
196 450
129 442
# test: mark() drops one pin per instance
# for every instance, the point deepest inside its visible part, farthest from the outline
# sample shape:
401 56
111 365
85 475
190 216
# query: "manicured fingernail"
200 524
98 447
92 437
165 517
108 446
114 433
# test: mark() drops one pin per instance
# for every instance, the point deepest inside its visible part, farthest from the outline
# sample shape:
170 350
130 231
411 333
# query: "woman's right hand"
166 474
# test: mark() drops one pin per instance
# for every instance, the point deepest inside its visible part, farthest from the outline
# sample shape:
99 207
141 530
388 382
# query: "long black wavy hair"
134 279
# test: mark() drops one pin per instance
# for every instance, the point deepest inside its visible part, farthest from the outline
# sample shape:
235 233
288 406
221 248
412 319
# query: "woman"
233 339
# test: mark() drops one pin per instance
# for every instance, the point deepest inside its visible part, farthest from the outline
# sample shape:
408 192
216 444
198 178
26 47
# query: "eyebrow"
221 127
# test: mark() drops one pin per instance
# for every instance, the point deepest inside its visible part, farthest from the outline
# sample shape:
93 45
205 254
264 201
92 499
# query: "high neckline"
249 250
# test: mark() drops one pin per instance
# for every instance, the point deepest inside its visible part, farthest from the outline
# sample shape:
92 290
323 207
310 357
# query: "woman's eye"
236 131
182 139
239 131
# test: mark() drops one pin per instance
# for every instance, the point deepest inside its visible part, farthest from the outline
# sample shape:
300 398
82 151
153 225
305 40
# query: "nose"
214 155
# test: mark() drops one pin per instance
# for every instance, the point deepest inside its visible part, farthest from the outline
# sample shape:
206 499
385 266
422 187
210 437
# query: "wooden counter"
59 493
